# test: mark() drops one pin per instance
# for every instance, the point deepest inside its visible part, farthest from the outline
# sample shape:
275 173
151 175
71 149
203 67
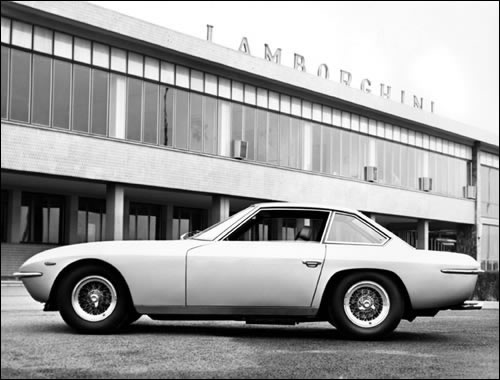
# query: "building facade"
113 128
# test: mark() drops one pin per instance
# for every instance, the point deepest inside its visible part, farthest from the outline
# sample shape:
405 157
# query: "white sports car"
276 263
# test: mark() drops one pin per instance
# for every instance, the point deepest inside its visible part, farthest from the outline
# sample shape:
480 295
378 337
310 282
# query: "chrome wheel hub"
93 298
366 304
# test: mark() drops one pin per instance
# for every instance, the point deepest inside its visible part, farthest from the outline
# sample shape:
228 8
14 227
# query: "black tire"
94 300
374 305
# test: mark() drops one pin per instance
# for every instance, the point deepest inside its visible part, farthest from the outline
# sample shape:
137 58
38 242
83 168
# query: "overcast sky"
446 52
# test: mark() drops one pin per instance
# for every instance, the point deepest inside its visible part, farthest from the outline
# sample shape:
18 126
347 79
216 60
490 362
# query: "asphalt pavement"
454 344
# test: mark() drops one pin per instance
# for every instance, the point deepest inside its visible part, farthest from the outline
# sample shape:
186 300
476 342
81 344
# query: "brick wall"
13 255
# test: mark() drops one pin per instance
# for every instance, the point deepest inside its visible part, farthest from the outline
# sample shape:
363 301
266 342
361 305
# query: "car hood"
108 249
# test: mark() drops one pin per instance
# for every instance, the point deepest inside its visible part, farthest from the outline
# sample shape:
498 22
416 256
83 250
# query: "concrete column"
14 217
476 181
219 209
72 219
423 234
115 209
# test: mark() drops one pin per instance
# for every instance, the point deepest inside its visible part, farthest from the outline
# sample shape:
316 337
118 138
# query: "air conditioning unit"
240 149
470 192
370 173
425 183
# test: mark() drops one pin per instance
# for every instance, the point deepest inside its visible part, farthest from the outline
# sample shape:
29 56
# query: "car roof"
305 205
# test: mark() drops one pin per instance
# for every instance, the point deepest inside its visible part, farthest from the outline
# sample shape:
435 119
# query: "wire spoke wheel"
94 298
366 304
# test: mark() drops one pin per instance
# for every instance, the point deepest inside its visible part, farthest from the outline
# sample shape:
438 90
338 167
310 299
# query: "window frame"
223 236
330 226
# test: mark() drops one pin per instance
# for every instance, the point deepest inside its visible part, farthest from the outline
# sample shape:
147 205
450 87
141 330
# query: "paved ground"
39 345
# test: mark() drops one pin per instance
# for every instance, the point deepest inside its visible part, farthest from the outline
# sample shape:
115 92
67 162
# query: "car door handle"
311 263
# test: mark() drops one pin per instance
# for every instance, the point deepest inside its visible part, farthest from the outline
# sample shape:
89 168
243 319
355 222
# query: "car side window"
282 225
349 229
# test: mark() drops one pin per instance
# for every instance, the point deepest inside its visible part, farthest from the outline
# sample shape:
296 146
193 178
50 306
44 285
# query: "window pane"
142 227
61 94
81 98
396 165
249 131
284 140
41 217
182 76
132 230
316 152
150 112
412 173
354 166
5 30
326 149
43 40
336 151
63 45
82 51
166 115
20 85
273 139
181 119
21 34
196 126
346 228
134 104
135 64
99 102
388 163
82 226
117 106
118 60
5 80
280 225
41 87
236 121
295 159
345 153
210 125
261 135
53 225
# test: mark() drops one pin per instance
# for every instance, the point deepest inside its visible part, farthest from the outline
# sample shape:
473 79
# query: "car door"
273 259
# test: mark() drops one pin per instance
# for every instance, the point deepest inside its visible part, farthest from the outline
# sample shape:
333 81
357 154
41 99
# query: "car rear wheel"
93 299
365 305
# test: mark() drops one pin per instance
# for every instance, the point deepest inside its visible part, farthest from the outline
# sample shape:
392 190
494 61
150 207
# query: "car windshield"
212 232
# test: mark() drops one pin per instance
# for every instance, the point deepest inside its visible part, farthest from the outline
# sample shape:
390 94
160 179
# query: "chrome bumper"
26 274
468 305
462 271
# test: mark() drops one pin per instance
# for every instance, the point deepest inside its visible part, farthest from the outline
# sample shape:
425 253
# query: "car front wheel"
93 299
366 305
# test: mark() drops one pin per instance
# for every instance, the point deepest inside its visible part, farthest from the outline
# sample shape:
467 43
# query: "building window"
81 98
99 121
61 94
48 91
42 218
20 85
4 216
188 220
5 79
489 192
91 220
489 248
144 222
